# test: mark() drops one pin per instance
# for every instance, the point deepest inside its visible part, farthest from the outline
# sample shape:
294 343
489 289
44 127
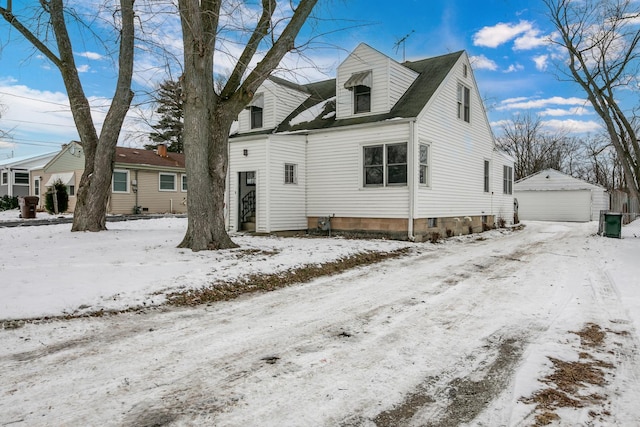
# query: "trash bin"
613 225
28 205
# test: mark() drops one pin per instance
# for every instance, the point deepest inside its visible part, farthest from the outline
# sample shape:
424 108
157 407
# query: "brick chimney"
162 150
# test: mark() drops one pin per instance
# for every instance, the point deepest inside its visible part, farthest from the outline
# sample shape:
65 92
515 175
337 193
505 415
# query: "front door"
247 201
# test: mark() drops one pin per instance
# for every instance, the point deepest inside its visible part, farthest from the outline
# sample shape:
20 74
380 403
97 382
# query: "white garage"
550 195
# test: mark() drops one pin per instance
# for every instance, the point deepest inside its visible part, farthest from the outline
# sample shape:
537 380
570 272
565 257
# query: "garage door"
554 205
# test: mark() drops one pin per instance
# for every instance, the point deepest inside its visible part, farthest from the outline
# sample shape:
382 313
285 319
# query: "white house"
550 195
398 149
14 173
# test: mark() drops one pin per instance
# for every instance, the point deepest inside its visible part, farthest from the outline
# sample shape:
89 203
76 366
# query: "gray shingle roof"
432 71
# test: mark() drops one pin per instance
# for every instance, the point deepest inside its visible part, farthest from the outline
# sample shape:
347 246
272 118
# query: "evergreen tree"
168 130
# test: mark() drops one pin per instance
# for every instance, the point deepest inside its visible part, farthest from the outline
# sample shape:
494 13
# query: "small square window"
432 222
120 183
167 181
290 173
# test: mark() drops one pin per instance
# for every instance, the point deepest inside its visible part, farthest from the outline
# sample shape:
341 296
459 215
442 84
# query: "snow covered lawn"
467 332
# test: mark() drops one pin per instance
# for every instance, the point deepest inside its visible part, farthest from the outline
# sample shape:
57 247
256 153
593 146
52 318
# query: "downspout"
412 179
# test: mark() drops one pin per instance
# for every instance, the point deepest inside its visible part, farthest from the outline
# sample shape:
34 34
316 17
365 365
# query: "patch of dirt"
466 397
224 291
568 381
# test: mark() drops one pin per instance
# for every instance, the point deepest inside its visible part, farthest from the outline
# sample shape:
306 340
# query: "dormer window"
256 117
360 84
361 99
256 108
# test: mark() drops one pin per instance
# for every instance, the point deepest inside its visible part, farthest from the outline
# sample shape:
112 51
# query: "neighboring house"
14 174
144 181
398 149
550 195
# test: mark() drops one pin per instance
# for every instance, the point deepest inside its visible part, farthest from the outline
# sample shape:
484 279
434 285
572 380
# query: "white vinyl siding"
457 150
339 189
279 102
390 80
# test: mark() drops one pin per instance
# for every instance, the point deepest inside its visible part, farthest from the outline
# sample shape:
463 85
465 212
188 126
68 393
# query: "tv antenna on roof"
402 42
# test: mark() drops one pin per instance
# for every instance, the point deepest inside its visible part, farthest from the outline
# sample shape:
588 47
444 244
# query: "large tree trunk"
208 116
94 189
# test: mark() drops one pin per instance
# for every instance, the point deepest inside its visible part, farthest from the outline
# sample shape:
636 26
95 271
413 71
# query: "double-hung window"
385 165
5 178
120 183
424 164
464 100
361 99
167 181
256 117
507 180
290 173
184 182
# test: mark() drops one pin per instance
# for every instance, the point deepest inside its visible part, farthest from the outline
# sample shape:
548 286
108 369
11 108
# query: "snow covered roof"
551 179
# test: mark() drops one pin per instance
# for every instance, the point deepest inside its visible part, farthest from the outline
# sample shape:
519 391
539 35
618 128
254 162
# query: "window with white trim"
486 175
20 178
183 179
290 173
424 164
120 181
361 99
167 181
507 180
71 190
256 117
464 100
5 178
36 187
385 165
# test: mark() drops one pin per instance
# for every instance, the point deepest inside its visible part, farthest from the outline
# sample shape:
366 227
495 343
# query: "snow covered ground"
457 333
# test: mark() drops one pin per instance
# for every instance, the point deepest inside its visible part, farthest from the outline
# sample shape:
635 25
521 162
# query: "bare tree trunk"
602 56
94 189
208 116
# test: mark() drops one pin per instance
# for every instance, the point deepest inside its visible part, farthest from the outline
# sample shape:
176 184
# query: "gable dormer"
274 100
368 82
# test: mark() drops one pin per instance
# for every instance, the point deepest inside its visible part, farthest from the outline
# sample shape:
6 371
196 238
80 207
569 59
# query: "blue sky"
514 65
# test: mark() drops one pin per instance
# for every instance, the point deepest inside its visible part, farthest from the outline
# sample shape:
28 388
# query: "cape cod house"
397 149
144 181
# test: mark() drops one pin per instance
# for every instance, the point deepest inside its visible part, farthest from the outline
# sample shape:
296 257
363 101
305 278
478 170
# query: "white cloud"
513 68
481 62
90 55
83 68
526 103
559 112
500 33
574 126
541 62
530 40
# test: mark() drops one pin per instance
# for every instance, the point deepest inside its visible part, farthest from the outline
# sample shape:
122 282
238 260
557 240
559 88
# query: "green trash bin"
613 225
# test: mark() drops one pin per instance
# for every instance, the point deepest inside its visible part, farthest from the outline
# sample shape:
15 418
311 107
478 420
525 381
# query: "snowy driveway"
453 334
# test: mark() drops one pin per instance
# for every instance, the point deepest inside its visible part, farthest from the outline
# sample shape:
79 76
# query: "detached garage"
550 195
